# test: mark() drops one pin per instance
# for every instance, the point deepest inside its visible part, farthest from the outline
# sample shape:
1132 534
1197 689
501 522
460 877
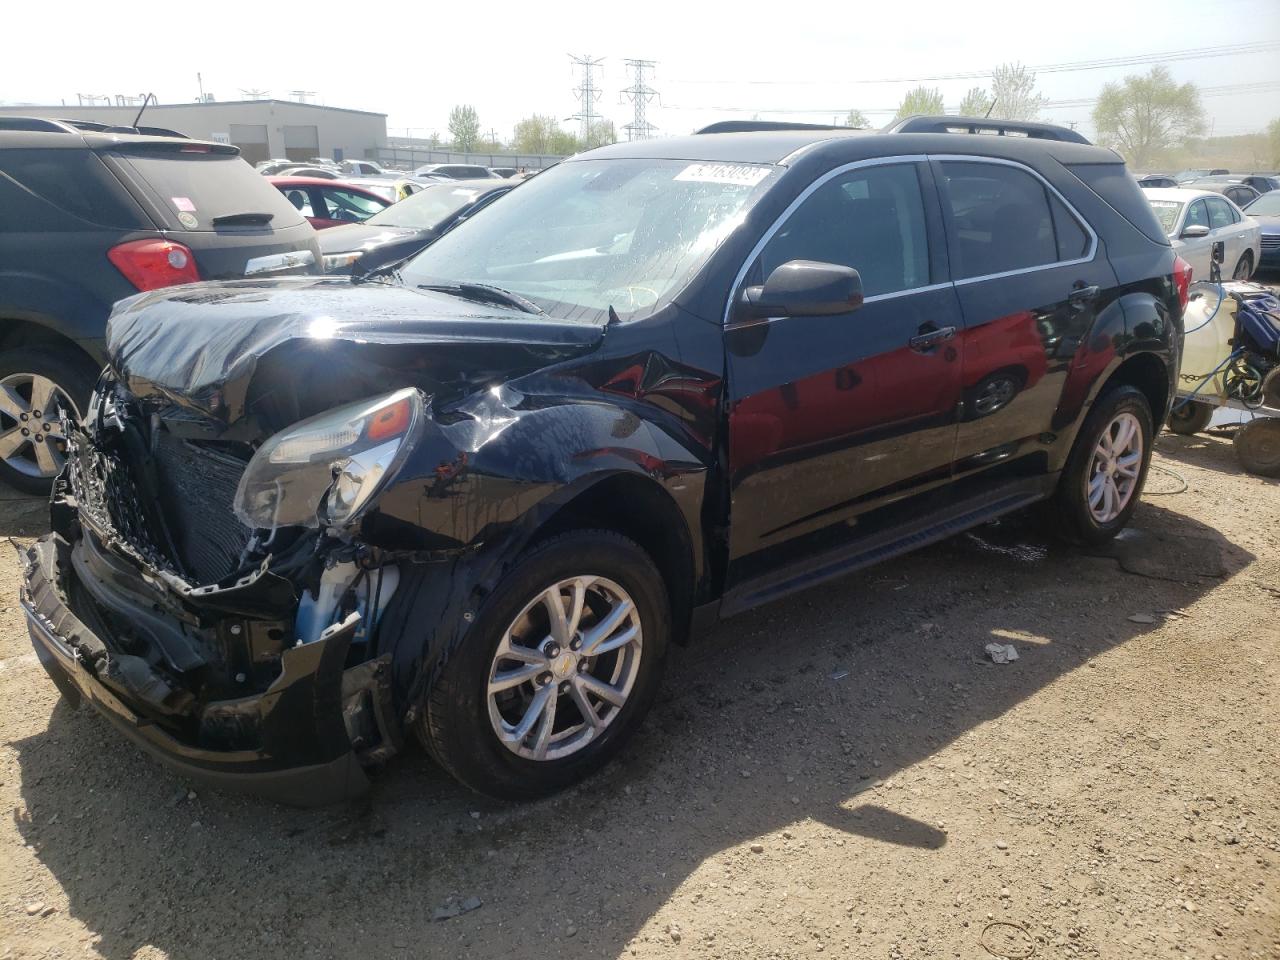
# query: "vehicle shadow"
801 712
22 514
1211 450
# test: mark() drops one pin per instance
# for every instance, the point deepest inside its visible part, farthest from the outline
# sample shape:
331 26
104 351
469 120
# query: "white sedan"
1196 221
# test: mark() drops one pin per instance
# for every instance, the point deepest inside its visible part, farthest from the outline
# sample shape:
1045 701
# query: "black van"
89 217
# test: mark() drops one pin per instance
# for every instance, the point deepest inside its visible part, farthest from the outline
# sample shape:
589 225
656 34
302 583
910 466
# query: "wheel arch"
17 332
1147 372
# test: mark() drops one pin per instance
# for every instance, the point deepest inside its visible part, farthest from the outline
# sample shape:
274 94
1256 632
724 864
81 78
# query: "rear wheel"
1104 475
35 384
1244 268
560 667
1190 417
1258 446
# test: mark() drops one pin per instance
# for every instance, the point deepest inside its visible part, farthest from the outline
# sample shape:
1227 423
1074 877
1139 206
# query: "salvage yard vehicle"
402 230
1198 221
90 217
663 382
330 203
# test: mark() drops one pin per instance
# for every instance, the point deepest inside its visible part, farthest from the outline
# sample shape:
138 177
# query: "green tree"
921 100
1013 88
976 103
602 132
464 128
857 119
536 134
1147 114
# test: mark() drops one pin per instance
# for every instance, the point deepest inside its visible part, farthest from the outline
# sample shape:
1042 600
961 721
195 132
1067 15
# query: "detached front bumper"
303 754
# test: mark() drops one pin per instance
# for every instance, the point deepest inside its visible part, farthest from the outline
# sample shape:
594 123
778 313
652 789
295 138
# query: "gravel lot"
842 774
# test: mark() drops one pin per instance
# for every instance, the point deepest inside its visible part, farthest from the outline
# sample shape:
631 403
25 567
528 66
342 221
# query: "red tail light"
1182 279
152 264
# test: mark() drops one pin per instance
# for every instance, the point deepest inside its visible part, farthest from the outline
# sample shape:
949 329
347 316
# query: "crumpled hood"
199 345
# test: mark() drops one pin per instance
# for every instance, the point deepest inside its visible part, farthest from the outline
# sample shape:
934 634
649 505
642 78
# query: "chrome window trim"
1088 227
791 208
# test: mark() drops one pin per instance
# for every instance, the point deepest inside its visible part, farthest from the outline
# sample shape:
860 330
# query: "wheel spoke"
1128 464
11 402
584 703
10 442
42 391
594 637
1109 501
620 639
531 715
604 691
506 679
514 651
48 459
1096 489
554 603
547 726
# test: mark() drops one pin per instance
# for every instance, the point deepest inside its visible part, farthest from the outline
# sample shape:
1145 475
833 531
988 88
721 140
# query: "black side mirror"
805 288
1194 231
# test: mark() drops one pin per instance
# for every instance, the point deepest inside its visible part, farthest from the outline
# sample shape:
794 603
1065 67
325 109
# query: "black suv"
88 217
661 383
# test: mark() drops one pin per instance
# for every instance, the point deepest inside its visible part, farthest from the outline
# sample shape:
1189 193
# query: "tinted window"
1073 242
345 205
999 219
1111 182
195 188
1197 216
75 181
871 219
1219 213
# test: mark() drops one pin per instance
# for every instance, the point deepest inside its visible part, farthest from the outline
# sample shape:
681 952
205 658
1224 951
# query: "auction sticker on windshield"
736 173
1166 212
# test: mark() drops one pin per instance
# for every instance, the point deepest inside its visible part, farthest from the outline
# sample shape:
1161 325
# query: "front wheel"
558 671
37 384
1105 473
1244 268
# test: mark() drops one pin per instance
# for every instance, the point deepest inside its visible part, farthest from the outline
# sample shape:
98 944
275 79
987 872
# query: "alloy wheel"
31 436
1113 471
564 668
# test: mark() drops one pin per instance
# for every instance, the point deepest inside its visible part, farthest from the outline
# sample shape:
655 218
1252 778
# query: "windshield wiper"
242 219
484 293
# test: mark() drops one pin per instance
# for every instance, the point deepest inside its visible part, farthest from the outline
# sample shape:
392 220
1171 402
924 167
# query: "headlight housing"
348 452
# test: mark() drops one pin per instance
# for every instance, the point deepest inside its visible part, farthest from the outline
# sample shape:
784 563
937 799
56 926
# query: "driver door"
835 418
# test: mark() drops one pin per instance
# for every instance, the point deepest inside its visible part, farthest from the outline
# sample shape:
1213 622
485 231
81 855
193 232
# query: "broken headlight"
347 453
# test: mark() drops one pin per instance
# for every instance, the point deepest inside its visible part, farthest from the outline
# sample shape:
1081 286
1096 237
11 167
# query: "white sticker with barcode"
740 174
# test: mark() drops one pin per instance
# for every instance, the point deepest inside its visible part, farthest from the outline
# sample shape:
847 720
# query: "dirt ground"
841 774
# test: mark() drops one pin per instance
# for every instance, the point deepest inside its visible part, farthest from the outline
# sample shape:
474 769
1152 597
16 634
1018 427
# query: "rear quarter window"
192 190
1111 182
74 181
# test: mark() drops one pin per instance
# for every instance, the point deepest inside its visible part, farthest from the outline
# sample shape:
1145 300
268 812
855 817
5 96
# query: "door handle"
930 336
1083 294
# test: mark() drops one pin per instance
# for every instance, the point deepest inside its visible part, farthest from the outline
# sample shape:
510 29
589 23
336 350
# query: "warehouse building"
262 129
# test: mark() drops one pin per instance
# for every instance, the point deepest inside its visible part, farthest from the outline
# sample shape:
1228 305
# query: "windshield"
1166 212
427 208
595 234
1267 205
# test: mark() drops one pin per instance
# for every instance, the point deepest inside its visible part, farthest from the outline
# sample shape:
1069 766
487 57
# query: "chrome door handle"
926 339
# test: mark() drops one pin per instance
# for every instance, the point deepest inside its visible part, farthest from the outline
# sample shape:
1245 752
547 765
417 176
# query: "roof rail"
988 126
33 125
64 125
752 126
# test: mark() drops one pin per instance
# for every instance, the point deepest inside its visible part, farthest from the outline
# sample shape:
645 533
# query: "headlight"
348 452
340 261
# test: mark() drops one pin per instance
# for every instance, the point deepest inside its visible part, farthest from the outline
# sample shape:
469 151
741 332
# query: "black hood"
364 236
308 344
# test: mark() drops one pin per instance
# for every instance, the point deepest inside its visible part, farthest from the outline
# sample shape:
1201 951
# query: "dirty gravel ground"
840 774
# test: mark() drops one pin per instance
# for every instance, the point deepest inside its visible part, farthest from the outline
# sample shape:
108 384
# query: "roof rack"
988 126
61 125
755 126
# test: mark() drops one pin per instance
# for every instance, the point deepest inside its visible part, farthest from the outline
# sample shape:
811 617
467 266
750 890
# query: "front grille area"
1271 243
197 494
189 527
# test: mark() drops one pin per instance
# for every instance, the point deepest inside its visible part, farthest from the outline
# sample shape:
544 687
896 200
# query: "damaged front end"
241 653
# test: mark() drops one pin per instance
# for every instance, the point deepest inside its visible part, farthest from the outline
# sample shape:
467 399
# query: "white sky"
414 61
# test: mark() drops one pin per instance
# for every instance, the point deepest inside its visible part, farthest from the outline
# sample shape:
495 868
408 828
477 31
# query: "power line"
587 94
639 93
1194 53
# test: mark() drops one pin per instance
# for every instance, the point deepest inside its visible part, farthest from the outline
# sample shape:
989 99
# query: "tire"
1258 446
1190 417
459 724
26 467
1070 512
1244 267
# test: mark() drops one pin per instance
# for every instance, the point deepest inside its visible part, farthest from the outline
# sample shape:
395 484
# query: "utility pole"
639 93
587 94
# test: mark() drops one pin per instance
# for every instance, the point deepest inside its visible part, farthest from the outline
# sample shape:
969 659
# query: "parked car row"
474 496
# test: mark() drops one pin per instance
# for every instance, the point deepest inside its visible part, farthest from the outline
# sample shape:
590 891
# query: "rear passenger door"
1029 276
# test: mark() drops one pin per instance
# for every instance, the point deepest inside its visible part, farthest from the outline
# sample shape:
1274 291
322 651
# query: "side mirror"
1195 231
805 288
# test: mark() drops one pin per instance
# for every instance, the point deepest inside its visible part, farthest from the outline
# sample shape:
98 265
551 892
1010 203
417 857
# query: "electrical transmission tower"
587 93
255 94
639 93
